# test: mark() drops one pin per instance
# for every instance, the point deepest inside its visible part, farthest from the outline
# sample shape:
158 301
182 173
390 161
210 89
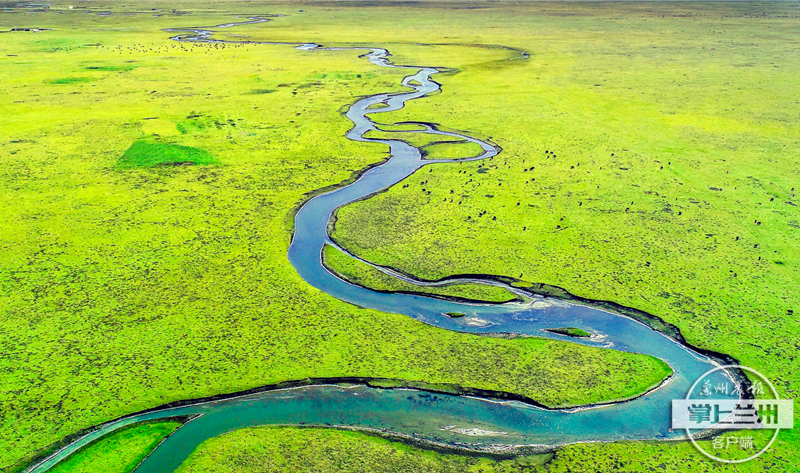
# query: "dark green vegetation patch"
70 80
570 332
120 68
145 154
195 124
343 75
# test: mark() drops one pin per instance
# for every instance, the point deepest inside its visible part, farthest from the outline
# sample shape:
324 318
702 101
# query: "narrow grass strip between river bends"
362 274
306 450
120 451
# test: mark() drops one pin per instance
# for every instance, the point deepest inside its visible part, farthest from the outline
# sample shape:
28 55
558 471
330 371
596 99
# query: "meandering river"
460 420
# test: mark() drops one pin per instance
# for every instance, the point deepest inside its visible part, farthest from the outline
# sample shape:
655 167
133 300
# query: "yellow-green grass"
124 289
394 127
649 159
118 452
293 449
300 450
431 145
415 139
365 275
296 450
455 150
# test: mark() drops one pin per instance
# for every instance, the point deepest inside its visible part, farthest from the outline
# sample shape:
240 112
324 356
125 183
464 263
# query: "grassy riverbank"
298 450
118 452
292 450
365 275
129 282
310 450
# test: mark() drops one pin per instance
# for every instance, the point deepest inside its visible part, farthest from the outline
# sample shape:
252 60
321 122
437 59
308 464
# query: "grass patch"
119 68
70 80
398 127
365 275
300 450
295 450
342 76
118 452
146 154
419 140
195 124
570 332
431 387
456 150
671 457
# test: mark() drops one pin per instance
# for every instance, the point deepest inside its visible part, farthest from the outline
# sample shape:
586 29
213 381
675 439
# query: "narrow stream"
457 420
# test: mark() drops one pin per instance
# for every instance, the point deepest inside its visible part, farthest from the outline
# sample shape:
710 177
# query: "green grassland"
365 275
650 159
118 452
661 176
457 150
300 450
296 450
305 449
126 285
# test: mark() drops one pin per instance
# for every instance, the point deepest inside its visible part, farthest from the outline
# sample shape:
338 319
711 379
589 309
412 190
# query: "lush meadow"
148 191
650 159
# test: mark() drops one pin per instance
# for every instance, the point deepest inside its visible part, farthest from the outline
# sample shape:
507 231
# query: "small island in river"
570 332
